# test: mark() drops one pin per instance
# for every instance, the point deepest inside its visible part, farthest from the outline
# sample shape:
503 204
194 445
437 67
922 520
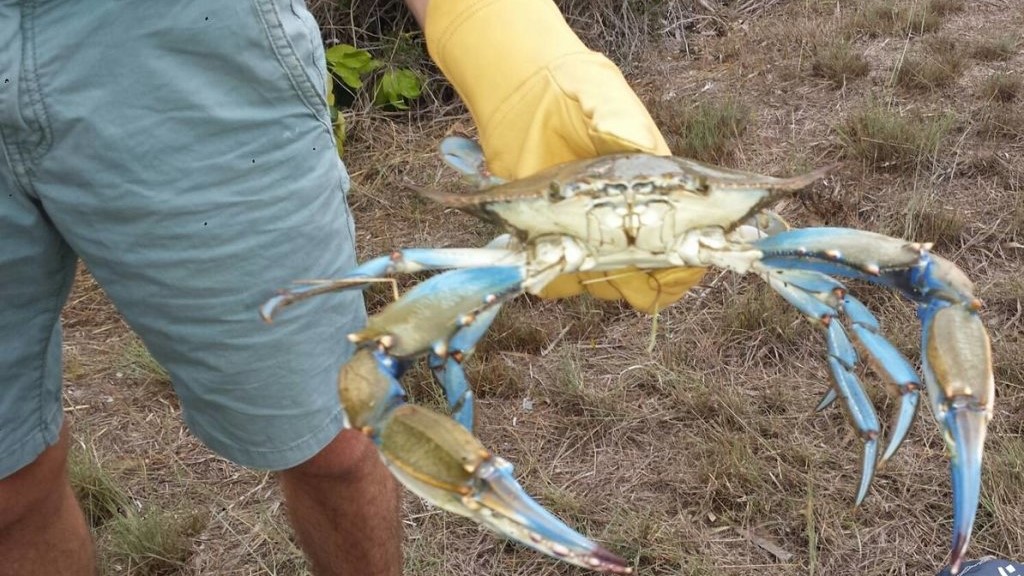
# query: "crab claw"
966 425
439 460
442 462
957 365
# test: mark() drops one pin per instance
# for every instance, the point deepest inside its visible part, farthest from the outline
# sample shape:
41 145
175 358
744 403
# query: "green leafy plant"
396 88
350 64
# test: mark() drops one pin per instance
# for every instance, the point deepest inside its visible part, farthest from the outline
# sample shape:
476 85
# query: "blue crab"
637 214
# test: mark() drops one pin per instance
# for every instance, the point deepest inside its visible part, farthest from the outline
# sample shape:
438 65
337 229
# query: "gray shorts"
183 150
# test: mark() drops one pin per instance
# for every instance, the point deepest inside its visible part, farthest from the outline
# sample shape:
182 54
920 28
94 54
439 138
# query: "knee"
349 456
37 488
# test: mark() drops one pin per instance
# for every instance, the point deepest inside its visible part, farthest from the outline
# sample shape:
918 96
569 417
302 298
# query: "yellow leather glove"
539 97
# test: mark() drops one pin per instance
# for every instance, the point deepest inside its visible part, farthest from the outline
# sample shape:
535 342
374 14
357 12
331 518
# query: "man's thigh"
36 269
191 166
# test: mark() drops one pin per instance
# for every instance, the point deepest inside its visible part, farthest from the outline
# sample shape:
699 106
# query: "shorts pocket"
294 37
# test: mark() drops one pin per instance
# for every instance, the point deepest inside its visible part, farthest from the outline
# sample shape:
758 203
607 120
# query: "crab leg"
823 298
827 399
888 361
435 456
446 361
449 374
817 296
955 349
398 262
448 371
466 156
957 363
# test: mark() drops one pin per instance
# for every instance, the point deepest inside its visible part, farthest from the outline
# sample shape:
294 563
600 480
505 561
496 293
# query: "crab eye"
555 192
643 187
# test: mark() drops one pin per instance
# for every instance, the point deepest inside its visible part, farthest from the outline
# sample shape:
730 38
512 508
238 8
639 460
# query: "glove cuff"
489 48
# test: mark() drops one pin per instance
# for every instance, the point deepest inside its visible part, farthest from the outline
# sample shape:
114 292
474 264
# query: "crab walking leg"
429 316
442 317
442 462
824 298
955 349
827 399
450 375
816 295
447 366
398 262
890 363
466 157
893 365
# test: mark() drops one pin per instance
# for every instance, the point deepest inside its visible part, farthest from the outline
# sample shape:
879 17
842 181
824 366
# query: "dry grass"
756 309
632 29
678 443
1001 121
1005 485
1002 87
99 493
925 222
889 139
995 49
938 65
946 7
154 544
887 18
138 363
839 62
705 131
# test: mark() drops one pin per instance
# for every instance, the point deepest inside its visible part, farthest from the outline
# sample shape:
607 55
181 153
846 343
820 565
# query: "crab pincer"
957 363
443 463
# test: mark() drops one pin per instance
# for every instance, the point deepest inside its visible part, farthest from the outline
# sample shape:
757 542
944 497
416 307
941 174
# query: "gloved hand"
539 97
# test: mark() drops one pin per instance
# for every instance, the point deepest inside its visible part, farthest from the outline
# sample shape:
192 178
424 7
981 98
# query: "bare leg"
42 528
344 506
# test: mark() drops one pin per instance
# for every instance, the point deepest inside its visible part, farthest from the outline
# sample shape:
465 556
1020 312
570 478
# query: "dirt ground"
690 445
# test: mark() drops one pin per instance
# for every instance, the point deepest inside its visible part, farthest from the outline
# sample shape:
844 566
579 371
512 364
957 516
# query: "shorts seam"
15 157
315 42
284 52
44 371
41 115
345 183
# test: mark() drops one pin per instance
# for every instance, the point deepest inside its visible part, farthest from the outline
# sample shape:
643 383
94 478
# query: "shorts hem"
33 447
281 458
